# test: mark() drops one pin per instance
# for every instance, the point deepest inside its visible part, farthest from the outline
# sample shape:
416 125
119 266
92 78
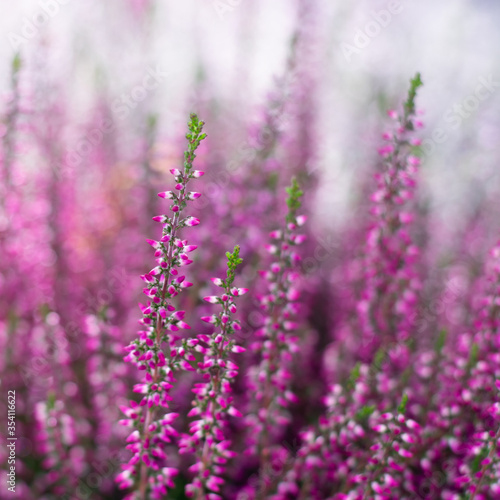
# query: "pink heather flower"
386 150
300 220
192 221
168 195
161 218
414 160
212 299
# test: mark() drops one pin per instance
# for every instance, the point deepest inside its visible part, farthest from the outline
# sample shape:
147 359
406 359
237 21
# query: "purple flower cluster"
332 363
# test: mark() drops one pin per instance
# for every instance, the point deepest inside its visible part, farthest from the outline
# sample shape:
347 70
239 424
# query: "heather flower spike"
157 352
276 343
387 304
55 437
213 403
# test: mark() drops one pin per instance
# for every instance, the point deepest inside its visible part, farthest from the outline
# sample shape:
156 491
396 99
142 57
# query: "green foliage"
178 492
440 341
272 181
152 122
51 400
194 136
102 313
404 402
354 376
409 105
416 150
233 261
378 360
476 463
473 355
293 201
363 414
16 63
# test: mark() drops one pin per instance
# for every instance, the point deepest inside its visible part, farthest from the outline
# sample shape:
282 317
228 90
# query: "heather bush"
280 351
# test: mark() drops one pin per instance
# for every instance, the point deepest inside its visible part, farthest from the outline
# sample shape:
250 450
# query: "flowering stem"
213 403
279 306
160 318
